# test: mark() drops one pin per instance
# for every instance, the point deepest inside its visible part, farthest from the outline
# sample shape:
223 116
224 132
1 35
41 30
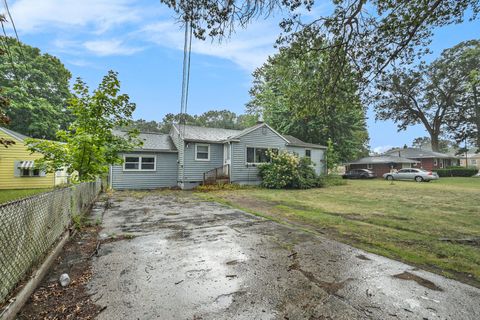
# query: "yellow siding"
19 152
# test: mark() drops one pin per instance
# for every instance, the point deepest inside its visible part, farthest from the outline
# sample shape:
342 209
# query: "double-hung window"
257 155
202 152
308 153
139 163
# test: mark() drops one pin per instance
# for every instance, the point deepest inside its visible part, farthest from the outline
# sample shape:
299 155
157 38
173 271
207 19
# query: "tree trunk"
434 141
476 115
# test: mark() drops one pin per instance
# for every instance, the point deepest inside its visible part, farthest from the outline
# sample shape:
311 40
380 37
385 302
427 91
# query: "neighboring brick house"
428 160
381 164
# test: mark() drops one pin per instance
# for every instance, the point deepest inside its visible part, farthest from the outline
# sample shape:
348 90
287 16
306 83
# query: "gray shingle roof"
292 141
153 141
417 153
14 134
383 159
194 133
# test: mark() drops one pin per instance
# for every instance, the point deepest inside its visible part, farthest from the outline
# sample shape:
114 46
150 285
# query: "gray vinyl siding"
261 137
194 169
179 144
165 174
317 156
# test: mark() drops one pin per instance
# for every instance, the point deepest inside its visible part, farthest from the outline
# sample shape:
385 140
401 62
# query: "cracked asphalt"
184 258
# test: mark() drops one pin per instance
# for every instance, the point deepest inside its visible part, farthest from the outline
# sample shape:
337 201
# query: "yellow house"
17 169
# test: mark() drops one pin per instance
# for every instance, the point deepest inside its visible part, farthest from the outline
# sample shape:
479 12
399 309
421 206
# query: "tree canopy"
37 86
291 91
213 118
89 145
440 96
371 33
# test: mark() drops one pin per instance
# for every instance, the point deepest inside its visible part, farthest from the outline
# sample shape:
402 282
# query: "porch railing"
217 175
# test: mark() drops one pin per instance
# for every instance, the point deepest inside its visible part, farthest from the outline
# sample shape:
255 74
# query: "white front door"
226 153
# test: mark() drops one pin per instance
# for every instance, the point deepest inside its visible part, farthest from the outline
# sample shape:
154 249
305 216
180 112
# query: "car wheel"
390 178
418 179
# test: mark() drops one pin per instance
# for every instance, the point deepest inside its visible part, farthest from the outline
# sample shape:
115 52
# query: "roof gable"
16 135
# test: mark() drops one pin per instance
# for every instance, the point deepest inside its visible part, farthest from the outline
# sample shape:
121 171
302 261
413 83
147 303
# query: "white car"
418 175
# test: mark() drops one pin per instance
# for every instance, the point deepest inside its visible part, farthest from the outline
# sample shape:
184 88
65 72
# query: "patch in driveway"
209 261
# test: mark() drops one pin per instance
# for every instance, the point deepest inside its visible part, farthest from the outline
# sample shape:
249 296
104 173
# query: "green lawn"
402 220
10 195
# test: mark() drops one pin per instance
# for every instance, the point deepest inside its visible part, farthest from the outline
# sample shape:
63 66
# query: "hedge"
456 172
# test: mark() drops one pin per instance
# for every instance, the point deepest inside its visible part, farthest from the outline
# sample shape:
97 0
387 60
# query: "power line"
7 48
5 4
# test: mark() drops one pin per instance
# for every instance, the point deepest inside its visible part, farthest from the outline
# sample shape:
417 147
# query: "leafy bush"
456 172
330 181
287 170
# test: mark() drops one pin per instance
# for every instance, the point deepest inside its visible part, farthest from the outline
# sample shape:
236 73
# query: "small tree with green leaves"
89 145
332 157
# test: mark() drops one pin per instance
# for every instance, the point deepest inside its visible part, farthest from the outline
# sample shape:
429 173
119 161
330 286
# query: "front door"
227 156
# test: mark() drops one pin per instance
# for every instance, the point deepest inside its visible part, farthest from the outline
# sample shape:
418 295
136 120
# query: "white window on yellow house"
27 169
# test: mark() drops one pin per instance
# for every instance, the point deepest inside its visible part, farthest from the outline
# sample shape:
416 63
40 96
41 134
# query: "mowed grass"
11 195
403 220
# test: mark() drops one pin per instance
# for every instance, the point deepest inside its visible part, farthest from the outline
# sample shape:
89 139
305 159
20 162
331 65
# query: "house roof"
13 134
382 159
195 133
295 142
417 153
205 134
153 141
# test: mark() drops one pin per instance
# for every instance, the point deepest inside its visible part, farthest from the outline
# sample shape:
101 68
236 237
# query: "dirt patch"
421 281
51 300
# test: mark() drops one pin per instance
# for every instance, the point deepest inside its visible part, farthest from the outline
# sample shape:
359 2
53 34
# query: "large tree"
4 102
292 92
89 146
432 95
464 121
371 33
37 86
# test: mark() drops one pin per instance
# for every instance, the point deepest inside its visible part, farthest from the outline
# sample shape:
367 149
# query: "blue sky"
141 40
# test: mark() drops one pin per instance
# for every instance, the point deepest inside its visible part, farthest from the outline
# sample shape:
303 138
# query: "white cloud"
36 16
110 47
77 24
248 48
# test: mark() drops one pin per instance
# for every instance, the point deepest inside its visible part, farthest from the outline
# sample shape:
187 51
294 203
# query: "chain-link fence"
29 227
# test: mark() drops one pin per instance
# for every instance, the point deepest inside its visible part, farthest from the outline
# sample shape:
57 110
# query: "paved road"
200 260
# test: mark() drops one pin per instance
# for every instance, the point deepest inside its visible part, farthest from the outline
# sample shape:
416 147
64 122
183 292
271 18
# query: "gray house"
190 155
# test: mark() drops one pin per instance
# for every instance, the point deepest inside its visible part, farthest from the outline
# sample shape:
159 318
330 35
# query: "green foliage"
287 170
38 90
439 96
332 156
456 172
294 94
221 186
89 146
214 119
330 180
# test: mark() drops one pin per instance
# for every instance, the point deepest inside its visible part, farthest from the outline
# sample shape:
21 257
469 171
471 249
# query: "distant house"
381 164
17 165
404 158
191 155
428 160
470 160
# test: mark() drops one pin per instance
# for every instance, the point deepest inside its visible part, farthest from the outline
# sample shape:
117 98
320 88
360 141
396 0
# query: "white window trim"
196 152
310 153
369 166
257 147
140 157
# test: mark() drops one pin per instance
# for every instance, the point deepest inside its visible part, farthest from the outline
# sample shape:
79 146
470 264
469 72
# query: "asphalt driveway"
177 257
